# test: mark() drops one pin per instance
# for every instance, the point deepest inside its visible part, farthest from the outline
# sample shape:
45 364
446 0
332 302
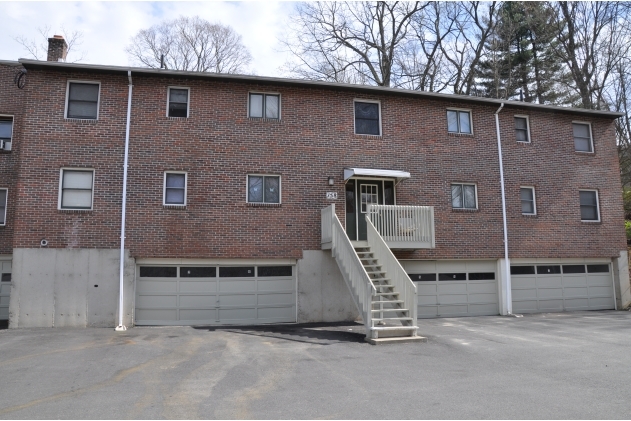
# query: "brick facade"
218 145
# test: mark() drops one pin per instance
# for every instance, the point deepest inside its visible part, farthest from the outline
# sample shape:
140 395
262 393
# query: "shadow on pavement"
312 333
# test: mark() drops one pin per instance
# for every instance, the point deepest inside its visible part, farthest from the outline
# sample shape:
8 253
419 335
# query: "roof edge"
34 64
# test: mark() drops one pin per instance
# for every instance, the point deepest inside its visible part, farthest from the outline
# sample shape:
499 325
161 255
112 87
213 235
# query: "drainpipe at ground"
121 324
507 298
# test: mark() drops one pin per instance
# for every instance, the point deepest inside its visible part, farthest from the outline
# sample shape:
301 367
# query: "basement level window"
4 193
178 102
82 100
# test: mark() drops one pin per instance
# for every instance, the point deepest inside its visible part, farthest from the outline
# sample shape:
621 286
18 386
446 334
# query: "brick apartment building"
229 193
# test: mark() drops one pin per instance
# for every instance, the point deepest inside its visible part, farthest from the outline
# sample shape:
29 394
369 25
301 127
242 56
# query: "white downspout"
508 299
121 326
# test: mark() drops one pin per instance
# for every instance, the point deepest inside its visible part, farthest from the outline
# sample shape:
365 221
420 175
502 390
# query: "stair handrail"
353 271
390 264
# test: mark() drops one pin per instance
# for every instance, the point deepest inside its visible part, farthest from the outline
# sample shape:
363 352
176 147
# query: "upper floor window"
589 205
6 132
75 190
522 131
174 188
264 106
4 193
263 189
459 121
178 102
527 195
583 137
82 100
368 117
464 196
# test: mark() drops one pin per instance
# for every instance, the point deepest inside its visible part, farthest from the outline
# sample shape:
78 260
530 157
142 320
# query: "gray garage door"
201 295
561 286
454 288
5 288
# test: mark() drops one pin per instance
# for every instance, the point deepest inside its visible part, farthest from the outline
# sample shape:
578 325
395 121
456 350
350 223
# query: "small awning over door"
399 175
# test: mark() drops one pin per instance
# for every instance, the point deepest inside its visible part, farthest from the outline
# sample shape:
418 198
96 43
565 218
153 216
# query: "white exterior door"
204 295
454 288
564 285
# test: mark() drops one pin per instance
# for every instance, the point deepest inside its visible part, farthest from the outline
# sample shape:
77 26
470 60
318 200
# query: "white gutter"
121 326
507 298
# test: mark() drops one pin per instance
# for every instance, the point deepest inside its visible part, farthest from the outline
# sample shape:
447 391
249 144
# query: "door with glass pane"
359 195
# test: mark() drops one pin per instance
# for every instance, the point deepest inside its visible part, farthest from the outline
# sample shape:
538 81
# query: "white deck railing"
404 226
326 225
359 283
389 264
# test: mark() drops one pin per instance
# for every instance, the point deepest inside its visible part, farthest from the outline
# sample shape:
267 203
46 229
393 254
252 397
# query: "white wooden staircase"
383 293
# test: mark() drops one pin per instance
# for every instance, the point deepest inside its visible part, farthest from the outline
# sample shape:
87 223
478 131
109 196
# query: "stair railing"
389 263
359 283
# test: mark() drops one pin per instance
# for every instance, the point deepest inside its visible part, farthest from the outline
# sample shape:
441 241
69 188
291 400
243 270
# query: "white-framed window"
263 188
459 121
367 117
264 105
76 186
82 99
174 193
522 128
589 205
4 199
178 101
528 204
583 141
6 130
464 196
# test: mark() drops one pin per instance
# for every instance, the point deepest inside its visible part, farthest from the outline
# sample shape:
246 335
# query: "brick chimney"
57 48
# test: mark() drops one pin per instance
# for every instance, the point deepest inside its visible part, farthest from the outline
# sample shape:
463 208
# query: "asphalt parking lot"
564 365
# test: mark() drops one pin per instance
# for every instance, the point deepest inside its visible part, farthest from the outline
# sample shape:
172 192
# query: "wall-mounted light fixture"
331 181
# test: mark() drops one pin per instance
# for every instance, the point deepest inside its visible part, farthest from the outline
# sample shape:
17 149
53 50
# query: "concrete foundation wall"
58 287
622 283
322 293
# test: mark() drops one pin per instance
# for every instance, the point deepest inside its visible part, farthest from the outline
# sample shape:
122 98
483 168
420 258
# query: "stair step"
390 310
386 294
392 319
384 286
388 302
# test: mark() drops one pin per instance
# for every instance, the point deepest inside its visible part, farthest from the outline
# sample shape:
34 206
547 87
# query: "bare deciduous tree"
38 48
348 41
192 44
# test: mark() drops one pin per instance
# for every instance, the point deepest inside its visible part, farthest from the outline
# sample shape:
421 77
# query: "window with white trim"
459 121
368 117
583 141
4 197
264 106
178 101
464 196
82 100
527 196
6 129
75 189
174 188
589 205
522 129
263 189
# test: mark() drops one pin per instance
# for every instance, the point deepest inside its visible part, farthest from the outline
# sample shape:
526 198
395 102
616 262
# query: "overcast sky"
108 26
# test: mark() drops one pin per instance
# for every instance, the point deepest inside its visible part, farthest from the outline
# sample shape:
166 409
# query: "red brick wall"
218 146
11 103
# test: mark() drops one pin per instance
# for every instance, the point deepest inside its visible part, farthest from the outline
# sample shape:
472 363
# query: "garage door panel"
549 282
575 292
156 314
551 305
599 280
577 304
483 298
483 308
574 281
4 301
427 299
237 300
198 286
546 293
275 299
445 287
524 294
453 299
276 285
233 285
156 286
157 301
188 301
237 314
453 310
523 282
482 288
198 314
525 307
600 291
423 288
276 313
601 303
427 311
